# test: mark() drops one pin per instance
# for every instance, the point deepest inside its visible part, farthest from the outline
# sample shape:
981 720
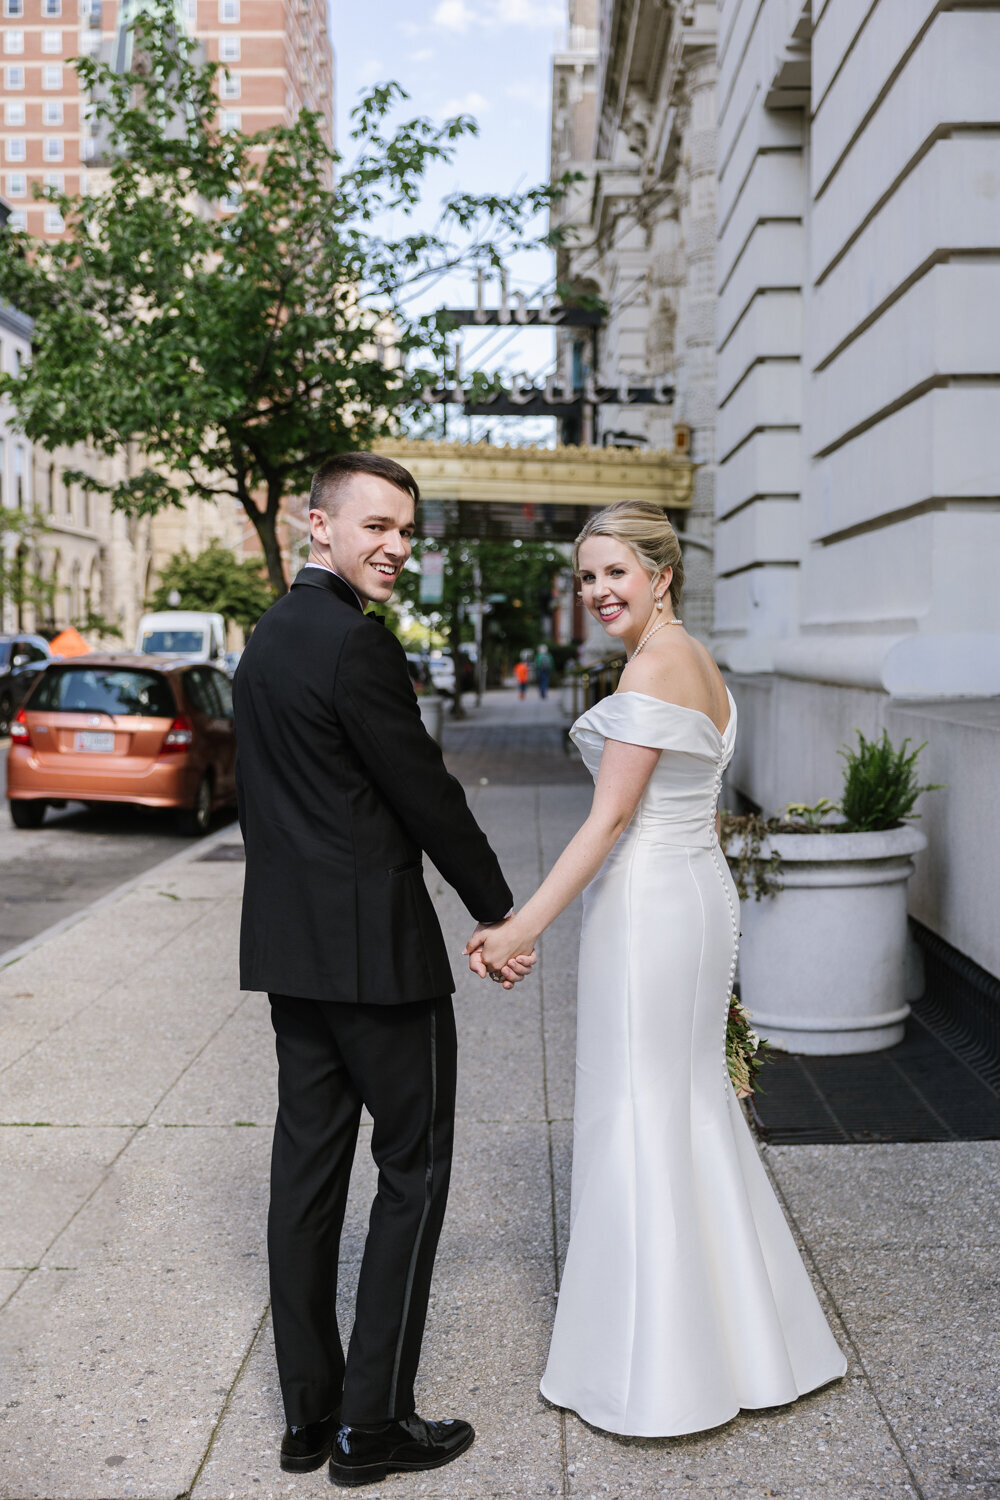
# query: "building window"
229 12
19 476
229 49
13 114
52 148
52 112
88 148
17 185
191 13
51 494
14 148
90 42
13 7
54 222
68 497
51 8
231 120
13 40
229 87
14 78
52 76
17 219
51 41
56 181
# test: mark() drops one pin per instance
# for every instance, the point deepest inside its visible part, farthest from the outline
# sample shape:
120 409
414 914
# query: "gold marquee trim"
544 476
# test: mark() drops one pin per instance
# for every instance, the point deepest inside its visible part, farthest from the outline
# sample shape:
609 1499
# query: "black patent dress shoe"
364 1455
307 1448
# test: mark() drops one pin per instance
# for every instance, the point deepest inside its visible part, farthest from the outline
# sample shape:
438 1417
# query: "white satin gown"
684 1298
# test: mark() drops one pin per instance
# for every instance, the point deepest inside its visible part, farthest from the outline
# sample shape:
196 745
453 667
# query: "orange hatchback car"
148 730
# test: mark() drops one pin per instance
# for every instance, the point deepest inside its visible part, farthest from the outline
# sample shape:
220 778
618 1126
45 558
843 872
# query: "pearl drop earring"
659 602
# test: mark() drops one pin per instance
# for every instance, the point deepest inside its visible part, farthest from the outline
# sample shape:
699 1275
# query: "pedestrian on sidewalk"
543 669
522 672
341 791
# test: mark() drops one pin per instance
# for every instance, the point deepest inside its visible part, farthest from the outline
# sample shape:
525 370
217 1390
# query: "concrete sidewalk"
137 1098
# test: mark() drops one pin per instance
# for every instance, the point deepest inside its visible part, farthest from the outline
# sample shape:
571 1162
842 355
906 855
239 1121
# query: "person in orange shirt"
521 672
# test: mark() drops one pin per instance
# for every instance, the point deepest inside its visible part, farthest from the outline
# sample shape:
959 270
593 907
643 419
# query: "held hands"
502 948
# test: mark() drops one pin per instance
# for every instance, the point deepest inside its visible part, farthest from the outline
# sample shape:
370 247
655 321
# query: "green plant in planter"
880 784
741 836
880 790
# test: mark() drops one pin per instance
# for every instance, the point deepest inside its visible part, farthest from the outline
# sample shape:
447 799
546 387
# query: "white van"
183 632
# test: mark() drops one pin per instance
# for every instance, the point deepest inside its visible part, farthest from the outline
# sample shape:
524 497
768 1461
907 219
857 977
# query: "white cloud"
452 15
459 16
369 71
523 92
422 55
471 103
535 13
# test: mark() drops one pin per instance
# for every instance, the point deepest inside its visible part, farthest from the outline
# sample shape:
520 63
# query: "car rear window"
103 690
171 642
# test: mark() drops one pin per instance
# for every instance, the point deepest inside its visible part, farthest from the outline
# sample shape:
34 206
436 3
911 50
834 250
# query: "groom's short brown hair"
331 478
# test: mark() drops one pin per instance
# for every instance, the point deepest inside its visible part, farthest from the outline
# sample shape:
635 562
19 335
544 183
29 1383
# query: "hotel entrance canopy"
534 494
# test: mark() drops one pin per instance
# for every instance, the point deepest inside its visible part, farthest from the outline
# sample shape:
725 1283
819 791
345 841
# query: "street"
74 858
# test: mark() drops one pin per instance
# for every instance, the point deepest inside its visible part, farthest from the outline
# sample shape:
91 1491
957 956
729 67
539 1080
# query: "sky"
491 59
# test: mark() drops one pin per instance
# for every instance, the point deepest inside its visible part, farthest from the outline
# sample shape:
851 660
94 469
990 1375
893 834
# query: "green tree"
226 302
20 581
520 572
215 580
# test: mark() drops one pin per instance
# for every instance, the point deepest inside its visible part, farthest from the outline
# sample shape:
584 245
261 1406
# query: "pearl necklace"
650 633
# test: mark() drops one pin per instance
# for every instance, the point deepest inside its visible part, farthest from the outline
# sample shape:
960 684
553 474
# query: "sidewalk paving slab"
136 1355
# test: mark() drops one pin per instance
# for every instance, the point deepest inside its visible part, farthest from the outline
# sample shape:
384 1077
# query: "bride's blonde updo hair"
642 526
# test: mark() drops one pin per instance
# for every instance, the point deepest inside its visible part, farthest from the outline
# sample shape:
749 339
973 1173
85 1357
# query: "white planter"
431 711
822 962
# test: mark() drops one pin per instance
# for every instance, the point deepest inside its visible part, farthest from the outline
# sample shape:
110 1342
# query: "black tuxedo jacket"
340 791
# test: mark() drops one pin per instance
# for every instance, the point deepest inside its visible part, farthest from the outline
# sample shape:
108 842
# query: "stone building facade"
632 112
858 489
795 204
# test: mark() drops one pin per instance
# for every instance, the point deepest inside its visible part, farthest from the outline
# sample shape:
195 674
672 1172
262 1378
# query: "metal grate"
924 1089
222 852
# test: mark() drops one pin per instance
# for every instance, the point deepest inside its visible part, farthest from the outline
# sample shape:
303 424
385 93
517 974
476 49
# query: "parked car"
420 674
22 657
195 634
442 670
151 731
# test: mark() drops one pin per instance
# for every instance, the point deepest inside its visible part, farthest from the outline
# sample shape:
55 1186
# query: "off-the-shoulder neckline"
681 708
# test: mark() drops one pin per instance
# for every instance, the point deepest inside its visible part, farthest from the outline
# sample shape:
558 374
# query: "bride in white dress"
683 1298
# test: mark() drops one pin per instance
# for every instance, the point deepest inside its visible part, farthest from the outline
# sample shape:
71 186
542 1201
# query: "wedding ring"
496 976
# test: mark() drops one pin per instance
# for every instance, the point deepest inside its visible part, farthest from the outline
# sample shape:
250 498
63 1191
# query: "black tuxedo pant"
398 1061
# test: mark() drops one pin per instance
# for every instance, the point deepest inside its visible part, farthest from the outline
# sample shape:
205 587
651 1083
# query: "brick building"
277 54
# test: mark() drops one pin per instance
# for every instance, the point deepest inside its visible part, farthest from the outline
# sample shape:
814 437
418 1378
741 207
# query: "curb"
183 856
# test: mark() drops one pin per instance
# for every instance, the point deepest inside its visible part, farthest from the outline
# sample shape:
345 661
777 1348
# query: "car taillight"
19 729
179 735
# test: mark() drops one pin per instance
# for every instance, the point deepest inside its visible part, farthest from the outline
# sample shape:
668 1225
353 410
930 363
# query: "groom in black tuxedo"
341 792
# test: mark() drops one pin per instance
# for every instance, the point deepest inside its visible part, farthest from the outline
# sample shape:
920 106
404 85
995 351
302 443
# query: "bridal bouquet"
744 1057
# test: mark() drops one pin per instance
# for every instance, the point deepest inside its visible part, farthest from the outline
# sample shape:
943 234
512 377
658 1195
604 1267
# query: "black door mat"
931 1087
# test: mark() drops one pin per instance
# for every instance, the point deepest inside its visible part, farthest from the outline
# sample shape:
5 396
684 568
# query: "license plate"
100 743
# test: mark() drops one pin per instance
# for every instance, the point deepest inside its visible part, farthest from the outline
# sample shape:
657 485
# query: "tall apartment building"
277 55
